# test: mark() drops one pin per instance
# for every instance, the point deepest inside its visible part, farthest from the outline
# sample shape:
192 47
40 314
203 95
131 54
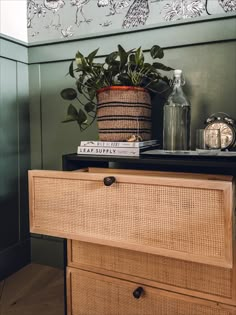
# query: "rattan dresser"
144 237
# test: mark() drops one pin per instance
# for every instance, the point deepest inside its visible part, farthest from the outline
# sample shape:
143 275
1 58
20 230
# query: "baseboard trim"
14 258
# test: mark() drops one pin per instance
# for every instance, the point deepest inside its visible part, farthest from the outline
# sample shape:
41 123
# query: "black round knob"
138 292
108 181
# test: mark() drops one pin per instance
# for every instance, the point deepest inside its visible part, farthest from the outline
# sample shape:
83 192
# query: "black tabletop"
217 164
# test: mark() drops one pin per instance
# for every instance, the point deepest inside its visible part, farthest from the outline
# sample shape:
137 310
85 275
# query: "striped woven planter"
123 111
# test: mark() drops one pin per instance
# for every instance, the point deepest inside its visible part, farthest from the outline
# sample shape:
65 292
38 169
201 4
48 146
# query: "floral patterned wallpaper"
64 19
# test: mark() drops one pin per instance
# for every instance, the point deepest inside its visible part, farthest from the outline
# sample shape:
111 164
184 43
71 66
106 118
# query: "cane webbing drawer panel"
196 277
137 213
93 294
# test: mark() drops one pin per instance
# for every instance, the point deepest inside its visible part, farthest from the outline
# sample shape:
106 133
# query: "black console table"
176 163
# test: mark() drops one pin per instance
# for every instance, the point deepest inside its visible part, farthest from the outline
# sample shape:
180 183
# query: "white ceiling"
13 18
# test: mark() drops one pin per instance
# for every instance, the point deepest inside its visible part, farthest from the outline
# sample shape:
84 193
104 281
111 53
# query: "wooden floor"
33 290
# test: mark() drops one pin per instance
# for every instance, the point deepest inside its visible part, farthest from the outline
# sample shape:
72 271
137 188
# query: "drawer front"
215 283
188 219
93 294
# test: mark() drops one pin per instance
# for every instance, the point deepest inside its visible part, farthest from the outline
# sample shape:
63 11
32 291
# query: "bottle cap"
177 72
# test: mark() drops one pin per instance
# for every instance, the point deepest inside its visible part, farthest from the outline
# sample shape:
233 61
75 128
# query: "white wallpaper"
57 19
13 17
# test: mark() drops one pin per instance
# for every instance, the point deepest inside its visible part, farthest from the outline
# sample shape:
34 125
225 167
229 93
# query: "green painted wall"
9 155
14 157
56 138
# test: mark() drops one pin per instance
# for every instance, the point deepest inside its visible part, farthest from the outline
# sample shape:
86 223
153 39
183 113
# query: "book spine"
117 144
107 151
109 144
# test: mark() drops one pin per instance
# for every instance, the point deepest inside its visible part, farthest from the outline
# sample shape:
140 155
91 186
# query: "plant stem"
80 101
84 94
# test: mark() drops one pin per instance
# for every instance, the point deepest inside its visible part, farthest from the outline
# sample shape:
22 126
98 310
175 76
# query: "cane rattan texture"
186 220
123 113
179 273
100 295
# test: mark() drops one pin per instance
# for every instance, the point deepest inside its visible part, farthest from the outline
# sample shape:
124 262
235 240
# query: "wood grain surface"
35 289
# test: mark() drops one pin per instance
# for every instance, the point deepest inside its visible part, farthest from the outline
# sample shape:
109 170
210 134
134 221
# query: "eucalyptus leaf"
156 52
154 86
72 114
97 65
92 93
69 94
161 87
82 118
124 79
132 59
72 111
160 66
123 56
79 68
79 83
139 57
166 80
114 63
92 55
113 69
85 64
112 57
79 57
147 66
90 82
68 119
71 69
89 107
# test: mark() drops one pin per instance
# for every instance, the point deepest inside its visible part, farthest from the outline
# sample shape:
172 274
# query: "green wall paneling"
24 146
50 139
35 117
210 73
13 49
13 258
14 157
47 250
58 138
9 223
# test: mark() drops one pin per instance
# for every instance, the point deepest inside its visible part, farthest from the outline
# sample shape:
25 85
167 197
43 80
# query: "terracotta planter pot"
123 111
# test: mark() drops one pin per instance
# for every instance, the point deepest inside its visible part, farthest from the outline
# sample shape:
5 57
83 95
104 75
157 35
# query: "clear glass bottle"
177 117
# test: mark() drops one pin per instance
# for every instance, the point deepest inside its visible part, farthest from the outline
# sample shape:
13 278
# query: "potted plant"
116 92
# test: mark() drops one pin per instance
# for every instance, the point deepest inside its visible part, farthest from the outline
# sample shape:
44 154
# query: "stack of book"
115 148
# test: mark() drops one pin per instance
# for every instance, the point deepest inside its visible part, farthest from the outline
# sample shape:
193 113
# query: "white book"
118 144
92 150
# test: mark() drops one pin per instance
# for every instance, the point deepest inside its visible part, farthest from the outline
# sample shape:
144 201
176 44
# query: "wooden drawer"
204 281
173 216
93 294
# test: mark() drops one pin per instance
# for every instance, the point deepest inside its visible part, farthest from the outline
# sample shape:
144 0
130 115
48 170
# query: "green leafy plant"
119 68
